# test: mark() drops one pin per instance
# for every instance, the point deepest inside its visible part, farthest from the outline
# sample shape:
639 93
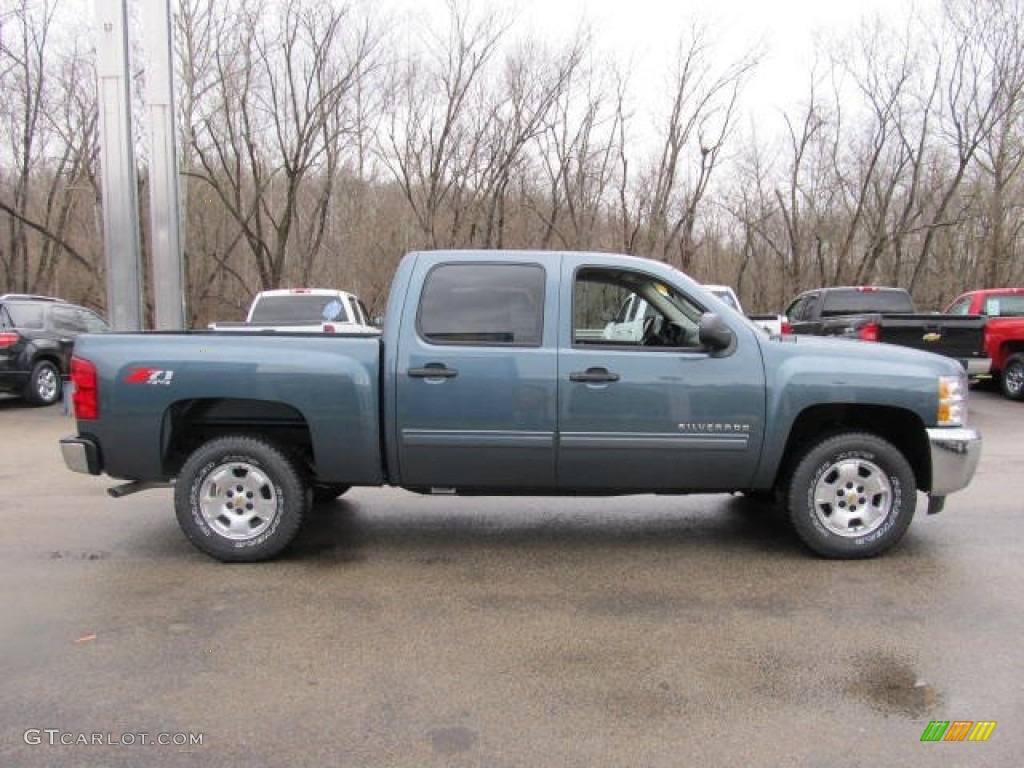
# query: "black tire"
240 499
324 492
44 384
852 496
1011 380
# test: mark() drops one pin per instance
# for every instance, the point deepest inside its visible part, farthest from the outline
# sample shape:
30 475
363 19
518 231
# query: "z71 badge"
155 376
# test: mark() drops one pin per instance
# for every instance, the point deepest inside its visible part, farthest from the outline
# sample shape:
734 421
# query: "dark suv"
37 334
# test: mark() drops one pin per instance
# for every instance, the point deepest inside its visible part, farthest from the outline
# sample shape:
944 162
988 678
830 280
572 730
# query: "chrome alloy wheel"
1013 379
47 384
238 501
853 497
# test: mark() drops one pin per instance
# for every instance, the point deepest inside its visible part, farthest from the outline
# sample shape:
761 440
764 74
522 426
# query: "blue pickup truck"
493 377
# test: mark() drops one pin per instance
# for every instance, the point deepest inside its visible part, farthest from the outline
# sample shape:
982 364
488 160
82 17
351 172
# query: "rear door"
476 375
660 412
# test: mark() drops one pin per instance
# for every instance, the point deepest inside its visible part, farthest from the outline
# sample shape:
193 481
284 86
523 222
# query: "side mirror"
378 321
715 334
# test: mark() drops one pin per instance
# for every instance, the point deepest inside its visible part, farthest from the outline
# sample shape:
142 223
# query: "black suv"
37 334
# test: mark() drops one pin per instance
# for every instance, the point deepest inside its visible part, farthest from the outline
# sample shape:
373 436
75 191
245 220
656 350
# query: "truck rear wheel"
1012 377
240 499
852 496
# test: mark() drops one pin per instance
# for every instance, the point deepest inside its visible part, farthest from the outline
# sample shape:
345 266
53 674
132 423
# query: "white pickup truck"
628 326
318 310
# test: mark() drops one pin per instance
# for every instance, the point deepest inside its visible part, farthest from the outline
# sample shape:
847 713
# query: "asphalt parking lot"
410 631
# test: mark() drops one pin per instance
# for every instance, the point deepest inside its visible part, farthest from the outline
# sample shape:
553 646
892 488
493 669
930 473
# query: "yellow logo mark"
982 730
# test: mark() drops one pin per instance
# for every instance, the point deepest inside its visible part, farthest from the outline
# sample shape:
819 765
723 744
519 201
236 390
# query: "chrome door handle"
594 376
432 371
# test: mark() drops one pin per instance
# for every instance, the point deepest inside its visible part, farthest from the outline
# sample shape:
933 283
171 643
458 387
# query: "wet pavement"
410 631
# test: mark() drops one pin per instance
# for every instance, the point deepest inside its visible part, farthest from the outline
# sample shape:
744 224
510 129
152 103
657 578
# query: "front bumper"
81 455
955 453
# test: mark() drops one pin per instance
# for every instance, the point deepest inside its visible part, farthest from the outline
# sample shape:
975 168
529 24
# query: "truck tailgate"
961 338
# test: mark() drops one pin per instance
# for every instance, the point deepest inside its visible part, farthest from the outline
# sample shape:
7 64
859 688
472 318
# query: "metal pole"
164 210
117 164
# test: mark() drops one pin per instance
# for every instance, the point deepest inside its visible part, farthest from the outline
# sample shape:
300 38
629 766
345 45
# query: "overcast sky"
644 32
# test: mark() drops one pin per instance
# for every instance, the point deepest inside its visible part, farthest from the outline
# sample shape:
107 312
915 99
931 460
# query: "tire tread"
271 458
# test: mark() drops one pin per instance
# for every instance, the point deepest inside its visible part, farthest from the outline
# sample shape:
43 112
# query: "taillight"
8 340
86 397
868 332
328 328
786 327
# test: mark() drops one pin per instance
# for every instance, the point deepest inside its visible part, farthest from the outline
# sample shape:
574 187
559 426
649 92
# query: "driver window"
631 309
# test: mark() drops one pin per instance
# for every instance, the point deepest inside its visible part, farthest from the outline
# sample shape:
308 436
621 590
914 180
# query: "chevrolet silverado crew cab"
493 377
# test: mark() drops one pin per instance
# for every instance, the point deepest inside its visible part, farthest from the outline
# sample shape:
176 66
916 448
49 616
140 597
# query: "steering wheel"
673 335
649 336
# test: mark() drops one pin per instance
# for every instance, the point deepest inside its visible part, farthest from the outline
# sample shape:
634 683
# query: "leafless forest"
320 141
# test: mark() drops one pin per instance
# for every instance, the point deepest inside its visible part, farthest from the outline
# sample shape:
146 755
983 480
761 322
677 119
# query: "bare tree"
279 116
49 118
438 121
971 110
533 84
704 99
999 28
577 153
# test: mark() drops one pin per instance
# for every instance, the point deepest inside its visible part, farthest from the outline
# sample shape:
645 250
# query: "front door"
652 410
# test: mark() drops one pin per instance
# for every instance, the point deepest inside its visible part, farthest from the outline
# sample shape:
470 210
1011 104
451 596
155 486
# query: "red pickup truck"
1004 332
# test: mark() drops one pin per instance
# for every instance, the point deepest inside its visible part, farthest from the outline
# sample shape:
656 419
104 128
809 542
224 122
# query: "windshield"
853 302
297 308
726 296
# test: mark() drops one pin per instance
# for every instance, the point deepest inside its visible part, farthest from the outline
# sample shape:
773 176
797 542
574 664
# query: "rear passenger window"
26 315
66 320
92 323
483 304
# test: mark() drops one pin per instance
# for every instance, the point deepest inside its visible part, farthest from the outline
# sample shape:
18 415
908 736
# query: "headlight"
952 401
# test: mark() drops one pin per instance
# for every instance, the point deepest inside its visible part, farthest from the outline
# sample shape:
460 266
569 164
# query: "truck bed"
325 384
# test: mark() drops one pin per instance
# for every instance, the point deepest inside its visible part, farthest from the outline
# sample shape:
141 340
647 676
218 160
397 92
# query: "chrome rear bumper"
81 455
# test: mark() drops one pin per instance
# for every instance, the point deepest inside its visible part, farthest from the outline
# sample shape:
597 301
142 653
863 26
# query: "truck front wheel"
240 499
852 496
1012 377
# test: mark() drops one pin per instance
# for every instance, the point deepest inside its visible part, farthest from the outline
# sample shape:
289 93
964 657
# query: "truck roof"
304 291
